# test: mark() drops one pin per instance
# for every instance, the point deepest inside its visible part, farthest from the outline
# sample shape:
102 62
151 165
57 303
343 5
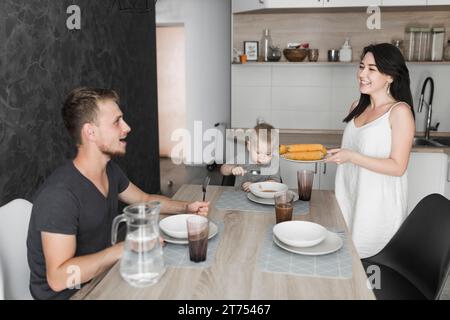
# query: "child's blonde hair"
257 133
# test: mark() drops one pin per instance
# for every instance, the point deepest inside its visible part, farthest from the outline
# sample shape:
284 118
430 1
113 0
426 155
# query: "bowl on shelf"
295 55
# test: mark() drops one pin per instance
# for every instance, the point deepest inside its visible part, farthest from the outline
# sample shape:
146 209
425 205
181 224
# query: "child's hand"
238 171
246 186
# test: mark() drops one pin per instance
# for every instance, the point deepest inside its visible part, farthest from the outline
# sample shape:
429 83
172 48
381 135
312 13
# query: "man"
69 236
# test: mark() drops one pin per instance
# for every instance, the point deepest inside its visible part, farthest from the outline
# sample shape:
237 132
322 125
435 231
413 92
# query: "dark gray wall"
41 61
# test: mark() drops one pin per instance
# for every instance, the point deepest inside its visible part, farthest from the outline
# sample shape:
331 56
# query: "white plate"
271 202
175 225
303 161
332 243
213 230
300 233
258 189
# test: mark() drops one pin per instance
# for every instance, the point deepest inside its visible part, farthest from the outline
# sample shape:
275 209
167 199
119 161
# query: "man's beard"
112 153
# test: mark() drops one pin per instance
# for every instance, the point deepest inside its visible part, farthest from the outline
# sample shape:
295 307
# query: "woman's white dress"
374 205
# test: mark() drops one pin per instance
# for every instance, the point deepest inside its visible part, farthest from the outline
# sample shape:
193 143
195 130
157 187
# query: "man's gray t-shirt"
69 203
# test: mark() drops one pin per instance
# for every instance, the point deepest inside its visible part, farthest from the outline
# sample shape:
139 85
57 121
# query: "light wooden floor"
174 176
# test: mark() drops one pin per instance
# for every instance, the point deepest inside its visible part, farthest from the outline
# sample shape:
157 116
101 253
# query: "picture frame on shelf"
251 50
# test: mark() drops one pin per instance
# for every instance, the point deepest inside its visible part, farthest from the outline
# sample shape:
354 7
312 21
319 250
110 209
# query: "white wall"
308 96
208 33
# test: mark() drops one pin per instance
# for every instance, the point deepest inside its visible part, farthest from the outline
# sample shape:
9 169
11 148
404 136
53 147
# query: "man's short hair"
81 107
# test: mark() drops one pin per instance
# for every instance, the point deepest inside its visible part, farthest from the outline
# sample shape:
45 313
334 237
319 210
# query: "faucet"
429 105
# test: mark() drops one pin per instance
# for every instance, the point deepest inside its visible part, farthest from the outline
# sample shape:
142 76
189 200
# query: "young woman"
371 181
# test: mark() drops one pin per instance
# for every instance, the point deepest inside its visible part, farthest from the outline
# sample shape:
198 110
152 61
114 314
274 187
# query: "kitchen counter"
332 139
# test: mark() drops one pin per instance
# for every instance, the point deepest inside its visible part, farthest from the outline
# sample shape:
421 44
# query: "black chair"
415 263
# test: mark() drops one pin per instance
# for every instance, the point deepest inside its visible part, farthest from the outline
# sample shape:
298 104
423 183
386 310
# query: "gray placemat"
237 200
178 254
338 264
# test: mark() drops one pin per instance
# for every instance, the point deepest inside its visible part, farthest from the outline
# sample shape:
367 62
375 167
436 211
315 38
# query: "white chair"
2 288
14 219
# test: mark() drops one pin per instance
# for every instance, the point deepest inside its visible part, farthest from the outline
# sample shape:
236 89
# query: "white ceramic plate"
213 230
271 202
260 189
332 243
303 161
300 233
175 225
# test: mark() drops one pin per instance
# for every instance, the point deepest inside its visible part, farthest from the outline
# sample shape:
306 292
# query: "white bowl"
267 190
175 226
300 233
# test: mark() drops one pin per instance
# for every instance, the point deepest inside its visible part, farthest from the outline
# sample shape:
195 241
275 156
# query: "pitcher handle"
115 226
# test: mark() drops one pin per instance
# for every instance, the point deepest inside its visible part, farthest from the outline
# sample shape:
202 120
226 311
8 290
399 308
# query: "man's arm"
133 194
59 251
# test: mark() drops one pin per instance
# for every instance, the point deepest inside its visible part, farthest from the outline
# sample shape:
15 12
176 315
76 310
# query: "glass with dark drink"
305 179
198 231
284 206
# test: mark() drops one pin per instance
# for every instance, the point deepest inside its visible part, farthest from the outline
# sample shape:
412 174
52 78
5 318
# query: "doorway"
171 73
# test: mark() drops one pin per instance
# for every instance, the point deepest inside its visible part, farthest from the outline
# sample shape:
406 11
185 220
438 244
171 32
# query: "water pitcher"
142 262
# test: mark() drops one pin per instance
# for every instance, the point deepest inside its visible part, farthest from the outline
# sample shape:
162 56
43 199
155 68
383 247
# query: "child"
259 150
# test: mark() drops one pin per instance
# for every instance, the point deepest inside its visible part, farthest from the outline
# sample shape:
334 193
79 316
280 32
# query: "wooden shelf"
326 63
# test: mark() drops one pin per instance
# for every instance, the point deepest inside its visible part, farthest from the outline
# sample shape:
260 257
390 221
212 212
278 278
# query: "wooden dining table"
234 272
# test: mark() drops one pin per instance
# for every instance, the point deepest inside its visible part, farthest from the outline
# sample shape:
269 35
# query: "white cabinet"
427 173
324 174
404 3
247 5
285 4
250 5
327 175
351 3
438 2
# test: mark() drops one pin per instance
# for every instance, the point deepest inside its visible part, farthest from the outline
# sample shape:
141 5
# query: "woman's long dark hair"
389 60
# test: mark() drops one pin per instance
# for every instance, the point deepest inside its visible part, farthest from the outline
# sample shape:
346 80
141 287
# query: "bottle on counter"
266 43
345 54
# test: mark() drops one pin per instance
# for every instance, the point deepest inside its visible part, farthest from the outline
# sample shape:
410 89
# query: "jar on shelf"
274 54
423 44
437 44
411 36
399 44
447 51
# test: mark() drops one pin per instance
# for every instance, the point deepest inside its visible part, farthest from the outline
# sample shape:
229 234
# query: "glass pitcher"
142 262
